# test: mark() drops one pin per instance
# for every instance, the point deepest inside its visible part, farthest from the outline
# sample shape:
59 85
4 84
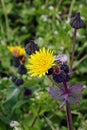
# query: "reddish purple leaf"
72 96
56 93
75 94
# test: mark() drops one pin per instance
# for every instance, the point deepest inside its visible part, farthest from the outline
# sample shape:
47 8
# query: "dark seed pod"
27 92
50 71
13 78
76 22
31 47
19 82
21 69
65 68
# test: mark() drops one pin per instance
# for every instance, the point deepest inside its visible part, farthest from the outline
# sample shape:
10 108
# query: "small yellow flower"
17 51
40 62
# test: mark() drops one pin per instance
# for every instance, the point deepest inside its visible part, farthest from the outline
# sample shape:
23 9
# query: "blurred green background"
47 22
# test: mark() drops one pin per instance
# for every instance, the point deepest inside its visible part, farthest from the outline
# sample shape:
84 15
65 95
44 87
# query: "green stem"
71 9
6 18
81 60
3 110
49 123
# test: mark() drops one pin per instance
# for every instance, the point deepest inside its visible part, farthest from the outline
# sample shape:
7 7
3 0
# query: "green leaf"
19 104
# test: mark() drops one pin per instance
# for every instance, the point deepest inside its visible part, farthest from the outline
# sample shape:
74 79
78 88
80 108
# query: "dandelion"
17 51
40 62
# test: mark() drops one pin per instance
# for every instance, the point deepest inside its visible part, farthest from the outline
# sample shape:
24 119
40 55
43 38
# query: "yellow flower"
40 62
17 51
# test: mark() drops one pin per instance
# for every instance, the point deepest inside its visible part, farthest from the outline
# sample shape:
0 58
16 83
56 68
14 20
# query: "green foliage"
46 21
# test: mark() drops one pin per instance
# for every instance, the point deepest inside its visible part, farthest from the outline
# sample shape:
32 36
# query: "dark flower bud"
56 78
27 92
21 69
50 71
76 22
16 61
19 82
62 77
65 68
13 78
59 77
2 75
31 47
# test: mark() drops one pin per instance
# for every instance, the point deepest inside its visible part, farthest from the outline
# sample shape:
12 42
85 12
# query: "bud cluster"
19 62
60 72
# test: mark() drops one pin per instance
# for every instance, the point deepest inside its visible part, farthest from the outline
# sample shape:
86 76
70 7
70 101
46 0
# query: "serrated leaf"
4 119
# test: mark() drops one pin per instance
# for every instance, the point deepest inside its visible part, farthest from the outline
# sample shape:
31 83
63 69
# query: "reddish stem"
69 117
35 119
73 50
68 111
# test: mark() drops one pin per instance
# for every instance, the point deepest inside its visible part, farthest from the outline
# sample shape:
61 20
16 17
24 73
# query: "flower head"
40 62
17 51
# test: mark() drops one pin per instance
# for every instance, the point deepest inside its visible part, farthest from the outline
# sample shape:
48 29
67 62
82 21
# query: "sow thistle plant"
42 62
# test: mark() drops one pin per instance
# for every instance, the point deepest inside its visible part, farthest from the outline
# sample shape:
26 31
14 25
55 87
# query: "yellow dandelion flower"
40 62
17 51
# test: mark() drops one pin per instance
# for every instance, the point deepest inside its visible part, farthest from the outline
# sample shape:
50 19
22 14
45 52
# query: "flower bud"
76 22
16 61
61 77
19 82
27 92
31 47
22 70
65 68
13 78
50 71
